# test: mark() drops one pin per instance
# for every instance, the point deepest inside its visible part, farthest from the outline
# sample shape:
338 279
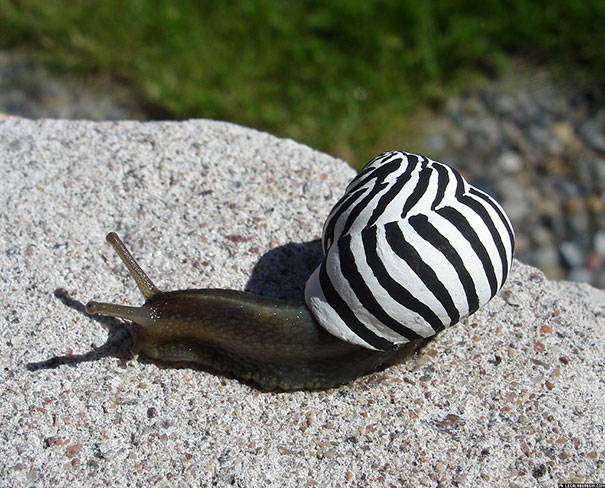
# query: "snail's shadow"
119 340
283 271
280 273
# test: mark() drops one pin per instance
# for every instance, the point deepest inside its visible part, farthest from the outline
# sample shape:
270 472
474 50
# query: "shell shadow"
283 271
280 273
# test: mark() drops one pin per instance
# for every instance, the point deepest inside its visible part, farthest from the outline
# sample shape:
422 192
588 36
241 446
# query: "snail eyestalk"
138 315
148 289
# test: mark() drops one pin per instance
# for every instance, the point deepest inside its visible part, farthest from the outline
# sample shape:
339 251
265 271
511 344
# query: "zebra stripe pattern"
410 249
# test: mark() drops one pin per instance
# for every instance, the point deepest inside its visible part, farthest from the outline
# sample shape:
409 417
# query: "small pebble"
599 242
572 254
510 162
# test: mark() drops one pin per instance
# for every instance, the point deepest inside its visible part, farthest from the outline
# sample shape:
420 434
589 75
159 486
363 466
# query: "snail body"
272 343
410 249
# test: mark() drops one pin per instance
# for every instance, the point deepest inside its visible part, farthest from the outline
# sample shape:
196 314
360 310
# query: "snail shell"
410 249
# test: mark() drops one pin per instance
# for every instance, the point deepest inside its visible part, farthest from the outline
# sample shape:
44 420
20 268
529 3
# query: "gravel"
537 145
514 396
29 89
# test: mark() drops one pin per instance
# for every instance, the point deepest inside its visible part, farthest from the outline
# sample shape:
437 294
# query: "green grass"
339 75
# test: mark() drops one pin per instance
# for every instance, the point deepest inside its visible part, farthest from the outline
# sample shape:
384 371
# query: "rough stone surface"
512 397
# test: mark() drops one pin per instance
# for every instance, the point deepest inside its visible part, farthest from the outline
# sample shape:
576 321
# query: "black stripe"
460 222
388 196
364 294
379 185
341 207
354 189
485 216
420 223
392 287
427 275
460 186
368 166
441 183
479 209
361 205
424 177
379 174
507 225
347 316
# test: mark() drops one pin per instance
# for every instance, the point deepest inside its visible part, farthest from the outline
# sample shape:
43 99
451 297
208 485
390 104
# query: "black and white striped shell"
410 249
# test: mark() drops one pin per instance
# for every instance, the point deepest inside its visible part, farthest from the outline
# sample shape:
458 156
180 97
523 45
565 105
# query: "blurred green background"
340 75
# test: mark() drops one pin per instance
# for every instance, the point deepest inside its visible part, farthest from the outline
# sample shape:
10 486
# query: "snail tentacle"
148 289
135 314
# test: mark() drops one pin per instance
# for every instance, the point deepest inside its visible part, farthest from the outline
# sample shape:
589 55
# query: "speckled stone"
511 397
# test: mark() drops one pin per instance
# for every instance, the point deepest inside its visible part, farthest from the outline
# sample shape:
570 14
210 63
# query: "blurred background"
508 91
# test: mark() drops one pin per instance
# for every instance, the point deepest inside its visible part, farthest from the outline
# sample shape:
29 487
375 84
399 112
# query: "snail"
410 249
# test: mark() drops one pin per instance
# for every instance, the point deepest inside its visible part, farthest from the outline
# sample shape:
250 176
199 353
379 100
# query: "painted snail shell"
410 249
